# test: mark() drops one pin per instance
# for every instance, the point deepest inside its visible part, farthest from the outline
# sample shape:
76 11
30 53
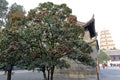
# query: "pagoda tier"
106 42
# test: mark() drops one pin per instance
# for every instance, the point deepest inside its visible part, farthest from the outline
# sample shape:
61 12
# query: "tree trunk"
52 72
48 74
9 74
44 74
45 77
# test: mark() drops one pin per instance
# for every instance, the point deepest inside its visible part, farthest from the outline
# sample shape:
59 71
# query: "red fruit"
46 29
56 53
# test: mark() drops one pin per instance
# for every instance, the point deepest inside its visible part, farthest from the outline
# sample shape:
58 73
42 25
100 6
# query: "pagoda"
106 42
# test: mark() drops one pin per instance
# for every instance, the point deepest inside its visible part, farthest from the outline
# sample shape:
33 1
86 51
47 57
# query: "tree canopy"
103 57
43 39
52 34
11 48
16 15
3 12
15 8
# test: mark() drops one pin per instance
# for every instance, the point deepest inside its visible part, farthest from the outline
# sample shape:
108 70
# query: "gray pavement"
23 75
110 73
29 75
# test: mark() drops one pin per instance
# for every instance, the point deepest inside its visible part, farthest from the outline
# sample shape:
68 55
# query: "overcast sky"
106 13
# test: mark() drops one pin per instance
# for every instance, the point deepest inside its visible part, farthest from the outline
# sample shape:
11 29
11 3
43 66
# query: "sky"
106 13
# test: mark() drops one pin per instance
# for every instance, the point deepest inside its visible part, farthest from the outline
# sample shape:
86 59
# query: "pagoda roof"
89 26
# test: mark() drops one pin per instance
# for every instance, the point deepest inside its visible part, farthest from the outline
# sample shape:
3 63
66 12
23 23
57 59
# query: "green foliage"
10 49
15 8
62 64
43 39
52 34
103 57
3 12
16 16
87 60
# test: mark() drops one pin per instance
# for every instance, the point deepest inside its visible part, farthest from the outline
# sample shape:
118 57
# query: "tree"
103 57
11 46
43 38
52 36
11 50
3 12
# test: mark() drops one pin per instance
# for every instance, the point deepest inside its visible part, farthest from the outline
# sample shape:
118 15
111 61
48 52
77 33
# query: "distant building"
108 46
106 42
114 57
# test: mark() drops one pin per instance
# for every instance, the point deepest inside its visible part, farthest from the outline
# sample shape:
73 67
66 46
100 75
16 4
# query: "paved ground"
110 73
29 75
23 75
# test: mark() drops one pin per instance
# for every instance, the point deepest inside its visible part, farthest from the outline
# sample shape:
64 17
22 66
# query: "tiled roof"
90 26
112 52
